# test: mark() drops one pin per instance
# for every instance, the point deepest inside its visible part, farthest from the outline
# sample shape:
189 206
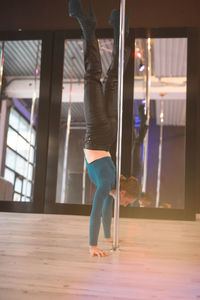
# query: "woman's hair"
146 196
130 185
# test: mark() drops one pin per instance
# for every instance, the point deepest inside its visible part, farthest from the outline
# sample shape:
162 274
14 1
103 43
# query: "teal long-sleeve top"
102 174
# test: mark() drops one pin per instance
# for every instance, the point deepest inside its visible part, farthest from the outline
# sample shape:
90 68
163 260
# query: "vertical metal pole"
119 132
147 111
160 149
66 147
84 182
2 107
2 65
32 118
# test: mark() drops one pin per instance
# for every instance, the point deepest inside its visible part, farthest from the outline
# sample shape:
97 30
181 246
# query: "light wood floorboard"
46 257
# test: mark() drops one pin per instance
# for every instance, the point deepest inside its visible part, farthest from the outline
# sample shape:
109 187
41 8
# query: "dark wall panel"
53 15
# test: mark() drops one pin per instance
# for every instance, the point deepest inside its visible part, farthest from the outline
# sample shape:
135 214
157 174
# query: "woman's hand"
95 251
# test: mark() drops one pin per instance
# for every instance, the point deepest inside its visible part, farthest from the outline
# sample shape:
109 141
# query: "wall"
53 15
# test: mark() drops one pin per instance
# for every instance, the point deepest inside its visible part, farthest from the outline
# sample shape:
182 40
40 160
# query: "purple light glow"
23 110
141 68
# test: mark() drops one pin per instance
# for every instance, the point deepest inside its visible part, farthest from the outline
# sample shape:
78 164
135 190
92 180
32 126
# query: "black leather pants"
136 164
100 100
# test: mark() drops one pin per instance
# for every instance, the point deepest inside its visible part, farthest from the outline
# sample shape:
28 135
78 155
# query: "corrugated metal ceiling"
20 58
169 59
74 56
77 112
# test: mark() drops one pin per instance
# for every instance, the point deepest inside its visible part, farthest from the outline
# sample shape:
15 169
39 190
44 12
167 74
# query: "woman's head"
129 190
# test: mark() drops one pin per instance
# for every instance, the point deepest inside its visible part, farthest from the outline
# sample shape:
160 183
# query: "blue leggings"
107 216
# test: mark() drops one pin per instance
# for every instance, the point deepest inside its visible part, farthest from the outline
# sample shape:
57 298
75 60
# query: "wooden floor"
46 257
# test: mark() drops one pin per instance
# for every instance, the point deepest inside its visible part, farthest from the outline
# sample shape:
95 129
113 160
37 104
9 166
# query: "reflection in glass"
22 147
14 120
10 159
18 123
73 173
166 143
168 77
9 176
28 189
17 197
23 128
12 139
20 165
18 185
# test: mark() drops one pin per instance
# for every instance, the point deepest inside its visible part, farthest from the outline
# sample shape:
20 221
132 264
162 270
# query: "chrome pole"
67 135
1 104
119 132
32 118
147 112
160 148
2 64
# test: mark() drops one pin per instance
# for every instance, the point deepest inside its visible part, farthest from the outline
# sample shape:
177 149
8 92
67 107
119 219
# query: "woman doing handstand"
100 105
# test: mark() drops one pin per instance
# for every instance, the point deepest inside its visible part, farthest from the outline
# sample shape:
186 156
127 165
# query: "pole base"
115 249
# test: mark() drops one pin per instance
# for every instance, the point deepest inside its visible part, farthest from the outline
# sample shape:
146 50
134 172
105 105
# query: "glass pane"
22 147
27 188
25 199
9 175
17 197
10 159
18 185
73 185
14 119
32 153
23 127
19 113
30 172
162 151
33 138
12 139
20 166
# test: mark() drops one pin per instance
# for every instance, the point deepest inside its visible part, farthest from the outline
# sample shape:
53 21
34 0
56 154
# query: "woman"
100 104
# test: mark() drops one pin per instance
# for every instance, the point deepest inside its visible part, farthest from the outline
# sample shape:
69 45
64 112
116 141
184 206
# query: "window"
19 162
